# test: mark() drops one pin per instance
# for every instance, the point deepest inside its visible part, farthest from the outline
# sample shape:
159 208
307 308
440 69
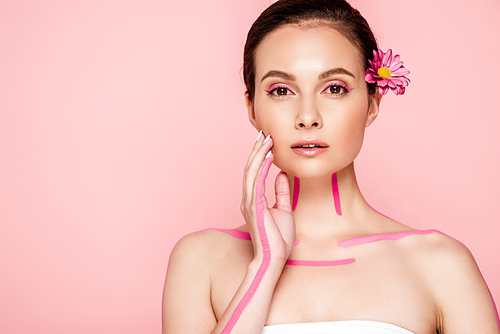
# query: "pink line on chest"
383 236
320 263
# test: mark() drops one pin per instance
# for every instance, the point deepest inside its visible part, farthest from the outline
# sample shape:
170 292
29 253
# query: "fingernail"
267 138
267 155
259 135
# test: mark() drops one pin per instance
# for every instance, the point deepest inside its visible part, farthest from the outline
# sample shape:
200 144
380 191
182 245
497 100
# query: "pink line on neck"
320 263
382 236
296 188
260 211
336 196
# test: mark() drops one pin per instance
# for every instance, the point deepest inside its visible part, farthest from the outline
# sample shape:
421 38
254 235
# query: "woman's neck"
316 212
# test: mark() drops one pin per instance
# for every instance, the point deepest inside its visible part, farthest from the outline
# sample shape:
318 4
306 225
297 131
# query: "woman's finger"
253 168
282 190
256 146
258 142
260 180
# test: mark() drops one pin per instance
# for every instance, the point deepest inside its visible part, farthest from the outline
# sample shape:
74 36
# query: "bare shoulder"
201 246
446 255
194 259
436 240
444 259
462 297
208 248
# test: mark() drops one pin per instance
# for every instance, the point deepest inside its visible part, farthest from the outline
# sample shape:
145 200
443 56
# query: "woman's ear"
251 112
373 107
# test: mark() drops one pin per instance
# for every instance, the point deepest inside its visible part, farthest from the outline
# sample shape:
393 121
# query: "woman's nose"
308 116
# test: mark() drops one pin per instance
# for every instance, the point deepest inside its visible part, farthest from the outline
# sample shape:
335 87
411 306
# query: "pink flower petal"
401 71
395 65
369 77
382 82
399 81
383 90
387 57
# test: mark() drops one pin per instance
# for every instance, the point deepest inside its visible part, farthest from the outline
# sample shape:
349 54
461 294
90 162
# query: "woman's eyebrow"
337 70
291 77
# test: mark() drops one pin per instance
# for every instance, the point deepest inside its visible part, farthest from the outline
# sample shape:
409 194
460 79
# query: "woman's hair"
337 14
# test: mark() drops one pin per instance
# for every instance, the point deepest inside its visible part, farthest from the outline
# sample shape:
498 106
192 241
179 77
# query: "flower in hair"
387 72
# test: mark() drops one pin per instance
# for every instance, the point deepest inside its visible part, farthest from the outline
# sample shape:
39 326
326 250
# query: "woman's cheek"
353 135
281 149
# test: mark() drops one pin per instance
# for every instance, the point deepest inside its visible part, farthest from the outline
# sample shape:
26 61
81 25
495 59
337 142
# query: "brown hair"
337 14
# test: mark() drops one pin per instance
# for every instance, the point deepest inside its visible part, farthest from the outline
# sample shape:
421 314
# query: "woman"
322 260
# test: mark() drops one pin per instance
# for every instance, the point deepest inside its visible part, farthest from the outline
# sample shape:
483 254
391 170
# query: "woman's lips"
319 147
310 141
309 151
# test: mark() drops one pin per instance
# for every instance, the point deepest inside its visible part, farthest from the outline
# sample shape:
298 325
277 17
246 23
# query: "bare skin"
424 283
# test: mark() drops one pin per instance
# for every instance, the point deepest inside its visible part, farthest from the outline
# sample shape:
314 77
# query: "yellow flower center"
384 72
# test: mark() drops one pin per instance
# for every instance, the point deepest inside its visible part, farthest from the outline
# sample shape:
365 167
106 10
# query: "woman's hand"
272 229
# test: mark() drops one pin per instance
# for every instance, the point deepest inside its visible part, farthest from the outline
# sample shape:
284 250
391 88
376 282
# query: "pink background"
123 127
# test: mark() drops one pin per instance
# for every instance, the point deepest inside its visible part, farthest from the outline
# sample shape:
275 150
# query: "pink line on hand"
320 263
382 236
260 211
296 189
336 196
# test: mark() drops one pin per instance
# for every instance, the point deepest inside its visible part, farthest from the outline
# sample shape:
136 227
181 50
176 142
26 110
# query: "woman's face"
316 90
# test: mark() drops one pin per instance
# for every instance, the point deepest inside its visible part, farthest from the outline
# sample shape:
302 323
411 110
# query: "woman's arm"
186 296
464 301
187 306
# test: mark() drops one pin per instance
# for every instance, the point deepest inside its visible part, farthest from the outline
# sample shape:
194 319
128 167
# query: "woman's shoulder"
424 241
443 260
433 250
462 296
435 246
208 245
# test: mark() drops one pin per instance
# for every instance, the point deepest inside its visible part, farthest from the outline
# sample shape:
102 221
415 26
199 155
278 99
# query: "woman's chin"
310 169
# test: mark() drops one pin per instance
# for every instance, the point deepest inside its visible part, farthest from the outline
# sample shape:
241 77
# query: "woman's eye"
337 89
278 91
333 89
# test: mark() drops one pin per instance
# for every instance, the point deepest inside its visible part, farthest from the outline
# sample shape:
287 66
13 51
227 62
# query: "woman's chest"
375 286
356 291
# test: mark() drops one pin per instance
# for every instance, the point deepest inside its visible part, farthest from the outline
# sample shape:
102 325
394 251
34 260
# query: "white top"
336 327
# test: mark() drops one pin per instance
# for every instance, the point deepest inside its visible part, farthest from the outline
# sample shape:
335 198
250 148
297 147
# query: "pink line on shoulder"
239 234
320 263
382 236
234 233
